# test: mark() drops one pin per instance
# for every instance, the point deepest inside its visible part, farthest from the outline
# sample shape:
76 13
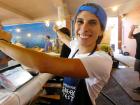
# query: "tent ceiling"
25 11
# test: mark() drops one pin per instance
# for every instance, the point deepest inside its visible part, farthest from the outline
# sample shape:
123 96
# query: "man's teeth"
83 36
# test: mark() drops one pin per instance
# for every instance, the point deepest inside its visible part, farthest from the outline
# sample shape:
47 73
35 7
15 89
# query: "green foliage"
105 47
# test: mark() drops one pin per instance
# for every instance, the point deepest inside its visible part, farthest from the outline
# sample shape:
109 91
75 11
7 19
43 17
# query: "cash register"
13 77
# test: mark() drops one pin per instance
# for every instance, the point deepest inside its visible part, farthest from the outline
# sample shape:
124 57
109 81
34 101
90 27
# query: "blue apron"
75 90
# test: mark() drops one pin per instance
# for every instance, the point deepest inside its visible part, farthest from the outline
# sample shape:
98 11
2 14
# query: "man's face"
87 28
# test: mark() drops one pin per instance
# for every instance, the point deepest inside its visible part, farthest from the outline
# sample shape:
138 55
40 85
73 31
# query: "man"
87 69
137 56
48 45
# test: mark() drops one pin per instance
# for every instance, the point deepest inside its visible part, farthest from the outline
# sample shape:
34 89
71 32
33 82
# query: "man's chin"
83 44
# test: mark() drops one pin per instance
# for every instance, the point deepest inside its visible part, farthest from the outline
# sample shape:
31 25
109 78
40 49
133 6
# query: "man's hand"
6 36
131 35
55 28
133 27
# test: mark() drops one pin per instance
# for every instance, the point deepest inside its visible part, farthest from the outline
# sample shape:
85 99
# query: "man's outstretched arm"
131 35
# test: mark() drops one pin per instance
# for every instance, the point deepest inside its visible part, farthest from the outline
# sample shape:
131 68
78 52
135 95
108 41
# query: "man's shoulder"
138 33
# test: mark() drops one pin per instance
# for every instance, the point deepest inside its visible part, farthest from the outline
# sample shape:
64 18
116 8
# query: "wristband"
4 40
57 30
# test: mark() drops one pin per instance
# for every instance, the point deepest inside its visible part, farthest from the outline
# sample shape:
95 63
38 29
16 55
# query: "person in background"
65 50
86 71
48 44
137 55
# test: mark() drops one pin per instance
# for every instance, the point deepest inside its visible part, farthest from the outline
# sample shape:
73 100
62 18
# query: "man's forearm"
16 52
131 35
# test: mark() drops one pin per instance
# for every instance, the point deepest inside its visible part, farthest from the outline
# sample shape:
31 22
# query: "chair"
52 91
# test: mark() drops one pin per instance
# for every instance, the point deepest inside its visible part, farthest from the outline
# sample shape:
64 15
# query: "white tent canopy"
26 11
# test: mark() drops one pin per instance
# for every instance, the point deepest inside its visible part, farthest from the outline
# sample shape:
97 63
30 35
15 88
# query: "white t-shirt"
98 66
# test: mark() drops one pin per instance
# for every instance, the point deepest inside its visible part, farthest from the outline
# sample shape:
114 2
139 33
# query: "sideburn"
99 39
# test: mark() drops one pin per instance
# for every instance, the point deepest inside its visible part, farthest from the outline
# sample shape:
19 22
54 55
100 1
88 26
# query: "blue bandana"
97 10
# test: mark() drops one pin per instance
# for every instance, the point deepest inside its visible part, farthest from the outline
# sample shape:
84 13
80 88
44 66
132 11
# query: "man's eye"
92 22
79 21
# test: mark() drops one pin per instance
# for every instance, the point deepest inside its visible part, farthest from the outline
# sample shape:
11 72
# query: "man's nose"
85 27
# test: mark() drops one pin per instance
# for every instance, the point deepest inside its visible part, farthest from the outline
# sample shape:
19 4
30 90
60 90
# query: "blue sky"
36 30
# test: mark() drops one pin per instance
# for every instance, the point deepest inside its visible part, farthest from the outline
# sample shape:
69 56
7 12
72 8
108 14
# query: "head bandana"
97 10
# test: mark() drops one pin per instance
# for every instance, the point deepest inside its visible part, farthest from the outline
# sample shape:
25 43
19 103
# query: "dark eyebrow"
92 20
88 20
79 18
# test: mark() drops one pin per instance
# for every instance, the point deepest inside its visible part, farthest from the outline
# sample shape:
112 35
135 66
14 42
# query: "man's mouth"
84 36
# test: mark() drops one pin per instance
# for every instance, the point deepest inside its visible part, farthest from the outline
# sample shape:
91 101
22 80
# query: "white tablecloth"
25 93
127 60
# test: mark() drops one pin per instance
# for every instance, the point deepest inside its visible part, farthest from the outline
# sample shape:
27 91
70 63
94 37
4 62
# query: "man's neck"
83 49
